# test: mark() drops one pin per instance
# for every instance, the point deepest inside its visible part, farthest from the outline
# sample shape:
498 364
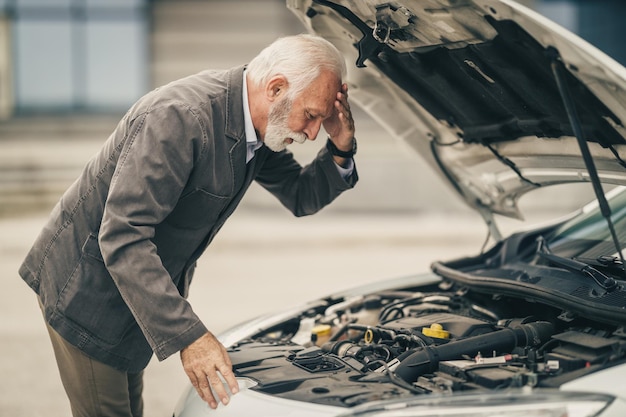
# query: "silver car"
499 101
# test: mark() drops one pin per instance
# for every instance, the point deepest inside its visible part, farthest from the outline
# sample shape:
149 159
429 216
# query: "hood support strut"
570 108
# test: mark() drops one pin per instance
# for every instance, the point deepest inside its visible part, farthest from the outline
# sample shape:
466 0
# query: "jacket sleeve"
303 190
158 156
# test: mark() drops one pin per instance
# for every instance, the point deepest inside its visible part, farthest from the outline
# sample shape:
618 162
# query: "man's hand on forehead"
340 126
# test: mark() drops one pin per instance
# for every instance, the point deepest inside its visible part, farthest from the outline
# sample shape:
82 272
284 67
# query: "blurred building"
101 55
65 55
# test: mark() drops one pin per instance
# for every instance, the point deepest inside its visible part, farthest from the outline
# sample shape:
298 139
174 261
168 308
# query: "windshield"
587 235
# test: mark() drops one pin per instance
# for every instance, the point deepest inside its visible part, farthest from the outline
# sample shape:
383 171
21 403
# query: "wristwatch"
344 154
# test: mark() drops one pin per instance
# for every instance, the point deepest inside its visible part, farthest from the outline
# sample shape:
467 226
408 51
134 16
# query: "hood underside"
471 87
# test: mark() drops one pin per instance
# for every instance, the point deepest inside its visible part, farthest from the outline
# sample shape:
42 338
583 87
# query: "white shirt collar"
252 142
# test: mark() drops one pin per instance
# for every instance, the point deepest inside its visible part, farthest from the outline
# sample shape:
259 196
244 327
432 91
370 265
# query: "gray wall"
69 55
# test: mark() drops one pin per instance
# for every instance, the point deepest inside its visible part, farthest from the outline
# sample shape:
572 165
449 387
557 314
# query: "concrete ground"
395 222
263 259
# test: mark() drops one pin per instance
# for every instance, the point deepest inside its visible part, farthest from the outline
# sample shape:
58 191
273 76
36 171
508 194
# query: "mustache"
298 137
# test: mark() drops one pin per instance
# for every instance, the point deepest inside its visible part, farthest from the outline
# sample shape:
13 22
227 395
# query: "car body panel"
248 402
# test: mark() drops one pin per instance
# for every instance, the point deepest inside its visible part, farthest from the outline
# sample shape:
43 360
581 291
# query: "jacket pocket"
91 299
197 210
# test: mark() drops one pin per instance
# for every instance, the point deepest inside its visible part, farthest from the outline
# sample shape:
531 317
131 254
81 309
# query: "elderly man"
113 264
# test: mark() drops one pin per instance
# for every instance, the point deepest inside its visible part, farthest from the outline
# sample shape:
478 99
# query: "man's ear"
276 87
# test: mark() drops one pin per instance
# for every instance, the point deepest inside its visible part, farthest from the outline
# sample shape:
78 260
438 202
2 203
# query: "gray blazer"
113 264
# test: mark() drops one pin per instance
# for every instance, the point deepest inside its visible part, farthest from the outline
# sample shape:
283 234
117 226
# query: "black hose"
426 360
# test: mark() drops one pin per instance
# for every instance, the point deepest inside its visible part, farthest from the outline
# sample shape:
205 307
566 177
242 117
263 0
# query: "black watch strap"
344 154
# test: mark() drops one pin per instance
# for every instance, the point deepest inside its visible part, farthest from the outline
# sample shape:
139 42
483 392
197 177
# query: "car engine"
433 339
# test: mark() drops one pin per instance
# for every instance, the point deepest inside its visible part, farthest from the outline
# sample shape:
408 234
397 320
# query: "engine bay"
434 339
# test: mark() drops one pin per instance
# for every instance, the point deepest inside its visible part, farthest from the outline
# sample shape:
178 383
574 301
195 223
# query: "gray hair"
298 58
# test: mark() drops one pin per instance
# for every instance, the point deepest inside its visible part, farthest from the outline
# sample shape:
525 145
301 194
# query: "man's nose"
312 129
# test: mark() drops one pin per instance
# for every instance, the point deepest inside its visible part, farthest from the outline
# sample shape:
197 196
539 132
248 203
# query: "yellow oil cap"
321 333
321 330
435 330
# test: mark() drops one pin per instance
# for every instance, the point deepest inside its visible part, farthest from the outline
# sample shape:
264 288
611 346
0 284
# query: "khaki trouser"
93 388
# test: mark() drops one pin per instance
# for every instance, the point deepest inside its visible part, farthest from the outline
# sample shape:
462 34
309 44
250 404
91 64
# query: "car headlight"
523 403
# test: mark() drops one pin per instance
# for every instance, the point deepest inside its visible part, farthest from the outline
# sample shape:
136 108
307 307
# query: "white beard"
277 132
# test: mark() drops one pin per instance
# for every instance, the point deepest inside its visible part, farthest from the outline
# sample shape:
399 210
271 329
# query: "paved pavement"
264 259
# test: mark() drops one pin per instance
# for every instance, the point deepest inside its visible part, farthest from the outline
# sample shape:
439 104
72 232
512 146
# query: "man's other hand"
203 361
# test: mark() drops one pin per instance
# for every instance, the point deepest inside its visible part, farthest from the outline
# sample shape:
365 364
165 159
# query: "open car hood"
471 86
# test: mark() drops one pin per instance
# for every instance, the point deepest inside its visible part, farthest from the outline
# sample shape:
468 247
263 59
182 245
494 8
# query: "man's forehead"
317 111
319 97
320 103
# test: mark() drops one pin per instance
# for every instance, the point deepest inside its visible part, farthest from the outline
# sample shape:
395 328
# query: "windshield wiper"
573 265
610 263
